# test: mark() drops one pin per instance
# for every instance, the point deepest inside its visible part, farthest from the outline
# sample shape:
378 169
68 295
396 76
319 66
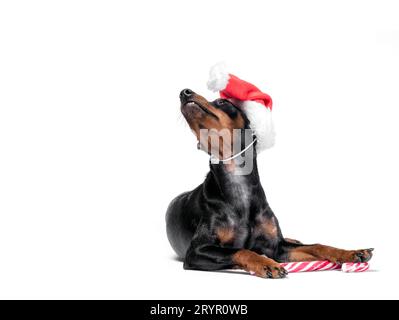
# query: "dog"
226 222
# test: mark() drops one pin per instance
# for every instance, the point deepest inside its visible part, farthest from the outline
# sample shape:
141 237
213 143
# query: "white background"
93 147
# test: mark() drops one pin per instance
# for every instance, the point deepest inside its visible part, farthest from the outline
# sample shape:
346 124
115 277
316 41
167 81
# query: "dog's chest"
236 229
243 234
239 193
234 233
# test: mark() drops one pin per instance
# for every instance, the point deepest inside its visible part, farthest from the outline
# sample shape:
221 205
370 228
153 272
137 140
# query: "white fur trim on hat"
218 77
261 123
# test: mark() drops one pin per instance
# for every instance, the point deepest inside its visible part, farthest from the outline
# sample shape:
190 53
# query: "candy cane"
355 267
323 266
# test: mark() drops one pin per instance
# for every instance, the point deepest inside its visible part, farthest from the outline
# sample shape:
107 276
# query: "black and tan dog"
226 222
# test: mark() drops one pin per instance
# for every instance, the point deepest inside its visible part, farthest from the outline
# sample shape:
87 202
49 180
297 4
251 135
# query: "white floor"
176 283
149 275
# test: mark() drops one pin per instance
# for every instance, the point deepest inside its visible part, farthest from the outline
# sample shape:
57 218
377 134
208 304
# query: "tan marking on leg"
225 235
268 227
298 256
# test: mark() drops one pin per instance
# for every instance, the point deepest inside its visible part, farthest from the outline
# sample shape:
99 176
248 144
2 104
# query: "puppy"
226 222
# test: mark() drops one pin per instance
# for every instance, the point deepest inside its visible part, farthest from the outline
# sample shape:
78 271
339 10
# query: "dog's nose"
186 93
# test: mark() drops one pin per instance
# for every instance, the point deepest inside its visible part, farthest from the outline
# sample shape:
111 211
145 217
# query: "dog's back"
181 223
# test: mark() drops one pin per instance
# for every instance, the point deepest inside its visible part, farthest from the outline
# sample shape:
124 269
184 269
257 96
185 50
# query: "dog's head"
216 117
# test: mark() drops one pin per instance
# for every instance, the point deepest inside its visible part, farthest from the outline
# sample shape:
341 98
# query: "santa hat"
256 105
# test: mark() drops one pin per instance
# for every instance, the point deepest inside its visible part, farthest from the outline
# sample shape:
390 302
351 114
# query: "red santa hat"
256 105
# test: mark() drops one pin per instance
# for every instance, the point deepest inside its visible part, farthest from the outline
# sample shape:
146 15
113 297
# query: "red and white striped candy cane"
323 266
355 267
310 266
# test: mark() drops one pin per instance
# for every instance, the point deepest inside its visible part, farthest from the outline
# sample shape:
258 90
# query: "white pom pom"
261 123
218 77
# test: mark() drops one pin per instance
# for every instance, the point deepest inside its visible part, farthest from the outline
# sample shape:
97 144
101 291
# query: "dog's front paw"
258 265
267 268
363 255
274 272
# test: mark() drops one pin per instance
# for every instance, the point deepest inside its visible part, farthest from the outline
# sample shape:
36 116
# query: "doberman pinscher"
226 222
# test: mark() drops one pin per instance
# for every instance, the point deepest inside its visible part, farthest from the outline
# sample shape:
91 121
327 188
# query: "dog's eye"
221 102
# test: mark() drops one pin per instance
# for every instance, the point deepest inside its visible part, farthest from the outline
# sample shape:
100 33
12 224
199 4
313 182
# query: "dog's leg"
298 252
293 241
213 257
